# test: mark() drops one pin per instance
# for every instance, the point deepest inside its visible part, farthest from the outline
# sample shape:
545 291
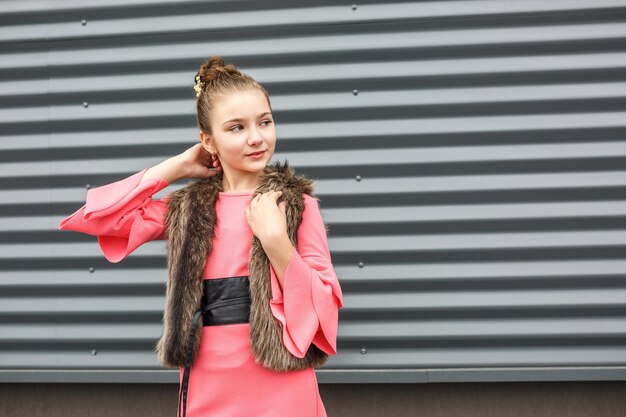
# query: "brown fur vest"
190 223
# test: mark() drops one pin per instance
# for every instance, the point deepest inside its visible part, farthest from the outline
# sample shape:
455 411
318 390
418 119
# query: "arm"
310 296
279 252
123 214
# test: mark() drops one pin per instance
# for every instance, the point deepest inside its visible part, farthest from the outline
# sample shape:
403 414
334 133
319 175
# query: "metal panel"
470 157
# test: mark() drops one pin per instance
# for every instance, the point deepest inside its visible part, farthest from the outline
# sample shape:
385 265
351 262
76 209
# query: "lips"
256 153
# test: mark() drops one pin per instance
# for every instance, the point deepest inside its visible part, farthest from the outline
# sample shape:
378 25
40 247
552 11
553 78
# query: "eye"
234 127
268 122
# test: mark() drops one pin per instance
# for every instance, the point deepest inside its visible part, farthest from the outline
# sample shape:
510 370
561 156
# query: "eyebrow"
240 119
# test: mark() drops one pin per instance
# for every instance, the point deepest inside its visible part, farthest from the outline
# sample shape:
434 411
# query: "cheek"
271 138
230 147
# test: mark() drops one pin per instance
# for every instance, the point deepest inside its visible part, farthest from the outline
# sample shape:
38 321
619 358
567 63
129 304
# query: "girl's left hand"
266 218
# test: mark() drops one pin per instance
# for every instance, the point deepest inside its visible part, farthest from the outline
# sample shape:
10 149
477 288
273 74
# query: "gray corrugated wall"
470 157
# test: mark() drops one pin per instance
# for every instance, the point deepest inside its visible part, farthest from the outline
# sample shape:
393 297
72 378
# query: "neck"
240 182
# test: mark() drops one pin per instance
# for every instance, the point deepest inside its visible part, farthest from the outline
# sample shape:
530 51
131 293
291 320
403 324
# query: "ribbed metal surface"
470 157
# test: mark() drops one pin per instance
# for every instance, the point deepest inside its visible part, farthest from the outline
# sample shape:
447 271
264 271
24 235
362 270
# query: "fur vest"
190 222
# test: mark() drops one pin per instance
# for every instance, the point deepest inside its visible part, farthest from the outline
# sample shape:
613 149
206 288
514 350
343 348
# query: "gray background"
469 157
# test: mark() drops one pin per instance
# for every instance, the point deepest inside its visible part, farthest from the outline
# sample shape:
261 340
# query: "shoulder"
312 215
310 199
311 203
313 227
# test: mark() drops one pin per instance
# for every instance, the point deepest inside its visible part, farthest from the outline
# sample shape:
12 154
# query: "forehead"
248 103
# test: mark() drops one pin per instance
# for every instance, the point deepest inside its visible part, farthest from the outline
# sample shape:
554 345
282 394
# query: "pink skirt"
225 381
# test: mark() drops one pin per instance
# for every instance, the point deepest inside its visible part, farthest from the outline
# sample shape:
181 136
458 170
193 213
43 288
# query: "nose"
255 137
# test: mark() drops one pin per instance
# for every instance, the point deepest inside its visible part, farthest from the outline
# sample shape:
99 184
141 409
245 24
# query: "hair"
217 80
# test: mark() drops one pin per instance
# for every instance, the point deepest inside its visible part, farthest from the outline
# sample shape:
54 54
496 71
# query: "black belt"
224 301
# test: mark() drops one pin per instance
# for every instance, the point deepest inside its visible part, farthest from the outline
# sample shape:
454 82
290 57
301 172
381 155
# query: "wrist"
180 167
279 252
170 170
280 240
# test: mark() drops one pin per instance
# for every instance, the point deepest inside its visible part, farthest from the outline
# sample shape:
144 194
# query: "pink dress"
225 381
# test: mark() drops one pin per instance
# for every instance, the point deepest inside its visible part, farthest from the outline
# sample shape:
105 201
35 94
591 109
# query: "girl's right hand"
199 163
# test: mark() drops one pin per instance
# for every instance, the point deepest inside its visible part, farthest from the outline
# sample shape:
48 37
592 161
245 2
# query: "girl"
252 299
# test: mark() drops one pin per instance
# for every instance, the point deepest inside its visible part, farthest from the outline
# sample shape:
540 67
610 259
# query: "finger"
276 195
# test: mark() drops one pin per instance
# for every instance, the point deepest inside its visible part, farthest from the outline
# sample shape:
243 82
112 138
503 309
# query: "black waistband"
226 301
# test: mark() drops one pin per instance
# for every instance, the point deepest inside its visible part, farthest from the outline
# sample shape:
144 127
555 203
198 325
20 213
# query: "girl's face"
244 135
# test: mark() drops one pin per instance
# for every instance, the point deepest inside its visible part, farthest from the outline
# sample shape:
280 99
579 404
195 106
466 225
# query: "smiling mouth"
256 153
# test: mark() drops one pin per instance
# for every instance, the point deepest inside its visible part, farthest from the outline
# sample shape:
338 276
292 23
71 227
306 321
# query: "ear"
207 142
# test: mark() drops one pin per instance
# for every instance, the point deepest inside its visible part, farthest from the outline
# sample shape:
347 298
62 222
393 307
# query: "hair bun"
214 67
212 70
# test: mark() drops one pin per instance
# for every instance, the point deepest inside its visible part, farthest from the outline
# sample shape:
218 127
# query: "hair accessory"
199 86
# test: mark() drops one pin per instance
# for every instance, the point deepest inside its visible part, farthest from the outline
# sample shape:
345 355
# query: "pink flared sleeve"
308 304
122 215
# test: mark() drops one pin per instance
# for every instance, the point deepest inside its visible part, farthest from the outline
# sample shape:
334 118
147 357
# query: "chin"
255 167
